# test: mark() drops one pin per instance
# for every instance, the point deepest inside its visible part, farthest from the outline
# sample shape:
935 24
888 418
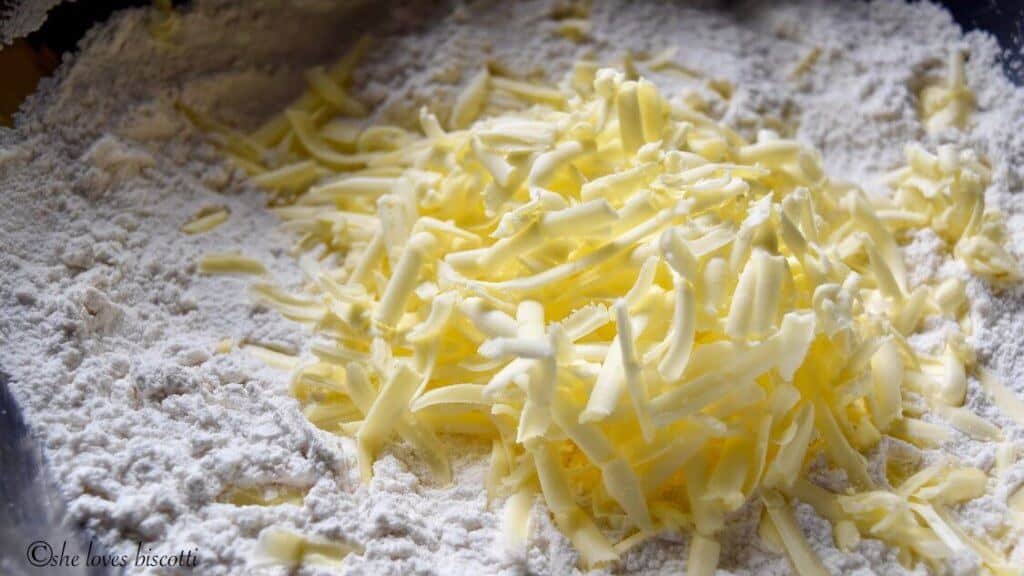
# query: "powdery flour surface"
109 333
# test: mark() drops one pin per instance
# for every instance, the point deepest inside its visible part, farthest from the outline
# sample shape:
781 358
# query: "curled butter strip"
230 263
206 219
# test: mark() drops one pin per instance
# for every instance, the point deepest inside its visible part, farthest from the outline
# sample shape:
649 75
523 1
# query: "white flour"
109 334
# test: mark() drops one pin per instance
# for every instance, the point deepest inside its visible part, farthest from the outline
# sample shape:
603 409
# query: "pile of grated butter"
650 318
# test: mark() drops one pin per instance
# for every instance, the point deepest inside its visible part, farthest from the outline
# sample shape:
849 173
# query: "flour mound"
110 336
